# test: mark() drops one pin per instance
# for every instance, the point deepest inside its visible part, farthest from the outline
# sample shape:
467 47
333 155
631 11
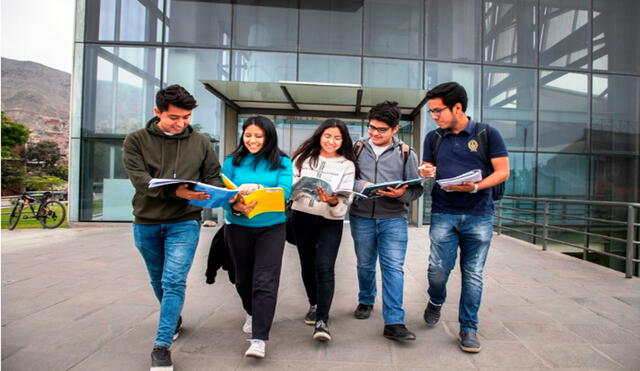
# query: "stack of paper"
474 175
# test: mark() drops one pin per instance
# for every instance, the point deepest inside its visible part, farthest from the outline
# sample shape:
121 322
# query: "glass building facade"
559 79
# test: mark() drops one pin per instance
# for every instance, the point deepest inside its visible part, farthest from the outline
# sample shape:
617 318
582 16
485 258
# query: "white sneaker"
256 349
246 328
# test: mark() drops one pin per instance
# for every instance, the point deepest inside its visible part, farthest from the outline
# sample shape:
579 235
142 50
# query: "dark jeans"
257 256
472 234
318 241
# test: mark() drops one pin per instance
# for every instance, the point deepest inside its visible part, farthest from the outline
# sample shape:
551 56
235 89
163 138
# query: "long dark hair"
269 151
310 148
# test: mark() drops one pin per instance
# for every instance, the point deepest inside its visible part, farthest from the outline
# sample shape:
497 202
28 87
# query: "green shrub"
45 183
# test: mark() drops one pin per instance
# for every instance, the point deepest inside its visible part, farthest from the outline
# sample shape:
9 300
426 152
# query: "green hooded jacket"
150 153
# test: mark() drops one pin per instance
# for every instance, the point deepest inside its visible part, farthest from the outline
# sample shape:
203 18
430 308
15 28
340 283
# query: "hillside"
37 96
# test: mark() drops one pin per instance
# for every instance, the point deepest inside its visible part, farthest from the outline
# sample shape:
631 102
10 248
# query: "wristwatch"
475 188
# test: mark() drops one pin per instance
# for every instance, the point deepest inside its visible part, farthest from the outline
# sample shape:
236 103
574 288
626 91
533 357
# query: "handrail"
631 240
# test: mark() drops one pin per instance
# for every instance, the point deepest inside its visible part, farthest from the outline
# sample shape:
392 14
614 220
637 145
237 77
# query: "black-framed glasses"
378 129
437 111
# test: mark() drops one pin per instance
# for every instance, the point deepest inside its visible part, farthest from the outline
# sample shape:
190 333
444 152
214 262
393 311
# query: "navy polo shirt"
456 155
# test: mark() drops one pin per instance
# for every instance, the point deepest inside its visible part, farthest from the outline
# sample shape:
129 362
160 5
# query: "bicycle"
50 213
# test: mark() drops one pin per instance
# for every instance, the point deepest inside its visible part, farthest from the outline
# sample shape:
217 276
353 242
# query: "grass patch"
24 223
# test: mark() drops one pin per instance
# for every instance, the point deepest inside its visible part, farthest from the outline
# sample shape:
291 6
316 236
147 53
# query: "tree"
13 135
45 153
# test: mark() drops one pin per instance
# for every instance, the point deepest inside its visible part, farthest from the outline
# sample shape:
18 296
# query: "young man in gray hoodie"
379 225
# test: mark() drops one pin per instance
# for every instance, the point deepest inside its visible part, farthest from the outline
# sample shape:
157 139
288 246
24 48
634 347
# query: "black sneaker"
310 317
321 332
469 341
432 313
178 330
363 311
161 359
398 332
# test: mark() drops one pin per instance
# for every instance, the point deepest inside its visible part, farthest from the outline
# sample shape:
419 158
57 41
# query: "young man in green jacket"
166 227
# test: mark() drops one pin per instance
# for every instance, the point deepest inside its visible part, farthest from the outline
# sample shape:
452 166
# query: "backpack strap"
357 148
436 139
483 141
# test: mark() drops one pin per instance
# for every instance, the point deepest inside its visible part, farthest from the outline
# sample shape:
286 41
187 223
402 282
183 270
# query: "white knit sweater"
328 168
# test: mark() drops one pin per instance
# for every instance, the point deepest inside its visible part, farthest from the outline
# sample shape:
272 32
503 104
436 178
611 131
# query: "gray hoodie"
388 167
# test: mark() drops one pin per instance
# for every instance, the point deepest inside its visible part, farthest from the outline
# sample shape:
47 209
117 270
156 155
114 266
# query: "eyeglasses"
437 111
378 129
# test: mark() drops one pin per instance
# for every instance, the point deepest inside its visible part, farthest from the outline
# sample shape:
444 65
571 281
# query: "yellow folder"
269 199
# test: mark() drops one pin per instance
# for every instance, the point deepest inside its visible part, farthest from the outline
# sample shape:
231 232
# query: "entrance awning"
312 99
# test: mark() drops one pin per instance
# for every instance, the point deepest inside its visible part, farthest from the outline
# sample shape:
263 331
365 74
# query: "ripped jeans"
473 234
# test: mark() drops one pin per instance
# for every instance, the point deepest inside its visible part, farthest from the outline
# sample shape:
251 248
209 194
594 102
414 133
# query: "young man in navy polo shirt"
461 215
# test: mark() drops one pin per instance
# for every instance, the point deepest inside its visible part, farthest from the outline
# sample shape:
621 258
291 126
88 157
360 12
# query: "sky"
39 31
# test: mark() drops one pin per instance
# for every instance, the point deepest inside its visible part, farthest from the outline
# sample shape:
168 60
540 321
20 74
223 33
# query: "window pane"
266 24
616 114
263 67
392 73
331 26
187 67
453 29
199 22
616 35
564 32
393 28
508 102
522 178
510 32
563 176
465 75
323 68
120 87
563 115
124 20
106 190
607 175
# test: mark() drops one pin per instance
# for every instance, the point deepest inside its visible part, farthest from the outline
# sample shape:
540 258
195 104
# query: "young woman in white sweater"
318 219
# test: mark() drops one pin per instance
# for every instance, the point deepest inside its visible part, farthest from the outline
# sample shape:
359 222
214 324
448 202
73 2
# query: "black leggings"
318 241
257 257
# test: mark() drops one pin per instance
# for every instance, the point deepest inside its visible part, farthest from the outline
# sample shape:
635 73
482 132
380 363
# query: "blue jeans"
473 234
387 238
168 251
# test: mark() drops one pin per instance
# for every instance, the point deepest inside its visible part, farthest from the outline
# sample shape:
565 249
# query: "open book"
371 191
308 185
269 199
217 196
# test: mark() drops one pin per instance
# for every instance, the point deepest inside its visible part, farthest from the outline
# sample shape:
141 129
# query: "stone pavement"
79 299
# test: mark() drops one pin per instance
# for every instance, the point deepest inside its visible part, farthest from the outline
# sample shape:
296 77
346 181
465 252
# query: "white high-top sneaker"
256 349
246 328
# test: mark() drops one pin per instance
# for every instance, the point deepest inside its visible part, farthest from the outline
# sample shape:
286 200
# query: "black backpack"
483 145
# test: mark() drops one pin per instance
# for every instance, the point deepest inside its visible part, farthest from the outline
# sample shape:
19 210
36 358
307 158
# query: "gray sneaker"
310 317
469 341
321 332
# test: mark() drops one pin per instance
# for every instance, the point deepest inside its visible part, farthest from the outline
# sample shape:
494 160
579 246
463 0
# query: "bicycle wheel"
14 218
52 214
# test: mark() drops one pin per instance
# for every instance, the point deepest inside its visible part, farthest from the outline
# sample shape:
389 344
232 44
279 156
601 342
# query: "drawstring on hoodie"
175 165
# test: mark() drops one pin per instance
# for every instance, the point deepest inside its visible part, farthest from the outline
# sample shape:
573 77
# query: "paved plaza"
79 299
